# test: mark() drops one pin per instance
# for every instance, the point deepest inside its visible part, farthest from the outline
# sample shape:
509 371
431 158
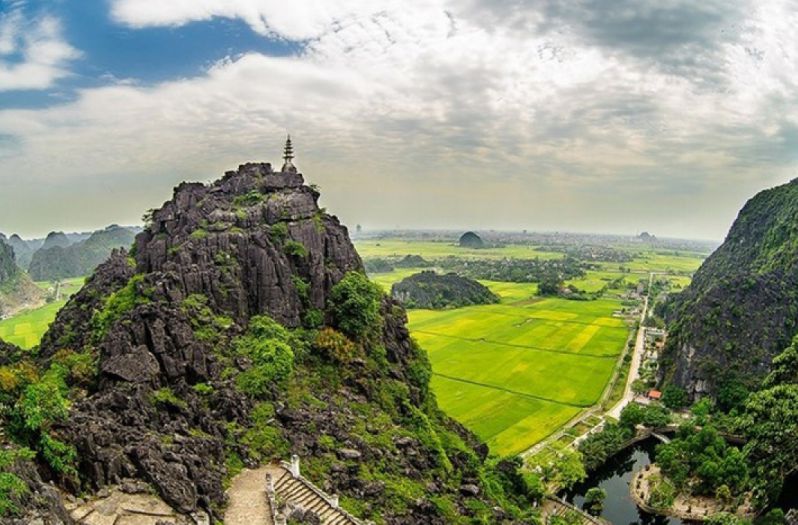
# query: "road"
634 367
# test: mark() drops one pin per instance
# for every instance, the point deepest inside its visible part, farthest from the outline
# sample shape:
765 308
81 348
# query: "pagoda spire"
288 156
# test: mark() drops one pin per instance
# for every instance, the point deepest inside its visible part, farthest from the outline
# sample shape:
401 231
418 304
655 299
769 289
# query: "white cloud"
44 53
297 20
416 114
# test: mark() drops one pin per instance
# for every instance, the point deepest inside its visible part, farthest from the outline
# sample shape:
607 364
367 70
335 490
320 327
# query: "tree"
594 500
565 470
639 386
550 285
674 397
355 304
784 368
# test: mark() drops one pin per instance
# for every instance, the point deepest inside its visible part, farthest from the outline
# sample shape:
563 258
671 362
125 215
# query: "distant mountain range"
60 259
63 255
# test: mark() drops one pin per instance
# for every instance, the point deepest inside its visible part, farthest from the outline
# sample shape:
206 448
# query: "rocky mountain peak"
248 241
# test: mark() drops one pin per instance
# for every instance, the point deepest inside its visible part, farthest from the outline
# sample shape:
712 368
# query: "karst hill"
240 329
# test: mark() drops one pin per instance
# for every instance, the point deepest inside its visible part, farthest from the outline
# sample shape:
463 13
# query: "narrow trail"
248 504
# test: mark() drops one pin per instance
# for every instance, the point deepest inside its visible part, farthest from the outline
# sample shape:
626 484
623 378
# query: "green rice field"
27 328
517 371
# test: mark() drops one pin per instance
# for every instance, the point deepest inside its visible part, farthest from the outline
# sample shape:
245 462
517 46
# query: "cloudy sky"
584 115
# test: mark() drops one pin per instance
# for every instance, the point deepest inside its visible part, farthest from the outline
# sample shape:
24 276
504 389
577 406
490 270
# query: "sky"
607 116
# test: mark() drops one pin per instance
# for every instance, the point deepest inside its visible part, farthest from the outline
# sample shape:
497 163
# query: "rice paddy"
516 371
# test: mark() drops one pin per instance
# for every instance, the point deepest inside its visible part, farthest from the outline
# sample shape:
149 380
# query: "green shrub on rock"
355 305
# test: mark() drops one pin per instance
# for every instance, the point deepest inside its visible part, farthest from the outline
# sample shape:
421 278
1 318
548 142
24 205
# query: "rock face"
429 290
22 250
740 310
79 258
245 241
471 240
8 266
17 291
165 325
56 239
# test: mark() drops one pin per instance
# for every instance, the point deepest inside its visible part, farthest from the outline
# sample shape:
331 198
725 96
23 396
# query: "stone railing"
332 501
586 518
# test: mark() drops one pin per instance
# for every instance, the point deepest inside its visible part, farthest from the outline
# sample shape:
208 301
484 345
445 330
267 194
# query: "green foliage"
702 461
533 487
207 326
355 305
662 493
12 487
278 232
266 344
674 397
598 447
203 389
726 518
650 416
42 403
295 248
335 346
61 457
784 368
248 199
569 517
199 234
165 397
302 289
81 367
313 318
550 285
594 500
118 304
770 422
563 469
263 439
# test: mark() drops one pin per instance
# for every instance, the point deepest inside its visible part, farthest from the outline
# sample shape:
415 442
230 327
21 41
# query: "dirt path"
247 493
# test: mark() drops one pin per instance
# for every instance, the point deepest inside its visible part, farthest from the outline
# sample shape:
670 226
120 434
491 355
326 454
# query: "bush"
118 304
266 344
12 488
335 346
355 305
60 456
295 248
165 397
594 500
279 232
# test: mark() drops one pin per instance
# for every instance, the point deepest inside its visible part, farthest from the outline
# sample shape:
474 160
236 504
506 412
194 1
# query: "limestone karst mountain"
240 329
428 289
740 310
17 291
80 257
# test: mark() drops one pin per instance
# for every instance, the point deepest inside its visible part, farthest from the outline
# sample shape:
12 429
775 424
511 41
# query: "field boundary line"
516 345
538 318
510 391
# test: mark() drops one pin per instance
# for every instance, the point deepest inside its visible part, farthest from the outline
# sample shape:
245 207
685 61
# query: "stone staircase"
300 494
286 485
